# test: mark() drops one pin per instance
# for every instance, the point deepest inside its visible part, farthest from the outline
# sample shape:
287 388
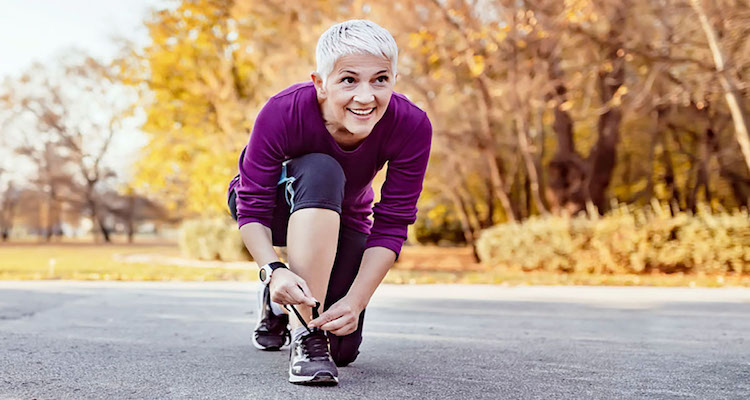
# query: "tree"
727 80
68 119
209 69
537 106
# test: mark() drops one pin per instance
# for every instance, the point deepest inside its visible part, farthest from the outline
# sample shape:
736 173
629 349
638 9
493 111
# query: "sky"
37 30
40 30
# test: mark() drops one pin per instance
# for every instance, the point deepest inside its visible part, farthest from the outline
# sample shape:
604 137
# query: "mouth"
361 112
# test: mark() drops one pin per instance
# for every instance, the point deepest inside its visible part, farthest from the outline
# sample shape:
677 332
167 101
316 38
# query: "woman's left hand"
341 319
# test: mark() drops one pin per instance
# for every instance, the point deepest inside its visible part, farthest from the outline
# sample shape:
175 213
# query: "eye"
382 79
347 79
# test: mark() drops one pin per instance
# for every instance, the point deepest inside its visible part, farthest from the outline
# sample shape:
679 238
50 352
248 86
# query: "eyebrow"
354 73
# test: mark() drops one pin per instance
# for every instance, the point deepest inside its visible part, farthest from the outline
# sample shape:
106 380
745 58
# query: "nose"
364 94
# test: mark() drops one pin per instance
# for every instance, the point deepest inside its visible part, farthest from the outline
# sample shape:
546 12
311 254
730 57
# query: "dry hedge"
212 239
626 240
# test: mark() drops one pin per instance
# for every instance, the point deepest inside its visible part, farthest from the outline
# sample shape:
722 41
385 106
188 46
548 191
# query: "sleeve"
397 208
260 167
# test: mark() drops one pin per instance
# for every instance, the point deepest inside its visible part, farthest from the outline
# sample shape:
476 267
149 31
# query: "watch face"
262 274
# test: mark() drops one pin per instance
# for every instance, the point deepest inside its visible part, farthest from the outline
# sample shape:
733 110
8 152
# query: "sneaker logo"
297 369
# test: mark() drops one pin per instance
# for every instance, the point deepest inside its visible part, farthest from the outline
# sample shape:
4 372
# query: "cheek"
342 100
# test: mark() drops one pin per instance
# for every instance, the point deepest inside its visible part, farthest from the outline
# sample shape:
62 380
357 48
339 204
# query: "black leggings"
316 180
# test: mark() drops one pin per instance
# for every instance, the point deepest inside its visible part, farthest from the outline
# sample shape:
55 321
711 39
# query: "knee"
322 180
325 170
344 349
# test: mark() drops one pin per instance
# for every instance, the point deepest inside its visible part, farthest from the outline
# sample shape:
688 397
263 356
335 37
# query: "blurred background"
575 141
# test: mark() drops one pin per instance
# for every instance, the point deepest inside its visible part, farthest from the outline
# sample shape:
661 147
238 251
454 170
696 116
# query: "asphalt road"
80 340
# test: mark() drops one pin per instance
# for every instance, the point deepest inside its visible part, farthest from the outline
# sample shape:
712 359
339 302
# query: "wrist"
267 271
357 301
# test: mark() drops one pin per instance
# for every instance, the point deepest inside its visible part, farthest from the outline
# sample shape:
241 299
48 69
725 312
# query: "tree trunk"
105 231
604 154
516 193
669 179
471 211
462 217
522 133
656 134
701 177
566 172
489 221
531 168
738 183
498 186
131 218
8 214
97 219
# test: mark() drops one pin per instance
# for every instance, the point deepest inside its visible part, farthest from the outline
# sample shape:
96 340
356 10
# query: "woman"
305 182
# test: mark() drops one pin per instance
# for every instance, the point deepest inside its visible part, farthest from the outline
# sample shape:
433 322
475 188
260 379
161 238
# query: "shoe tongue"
316 343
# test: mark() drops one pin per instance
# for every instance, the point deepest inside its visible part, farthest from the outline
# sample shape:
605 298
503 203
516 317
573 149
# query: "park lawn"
79 261
501 276
84 261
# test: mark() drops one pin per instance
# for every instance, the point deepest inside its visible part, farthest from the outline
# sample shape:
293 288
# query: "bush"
212 239
626 240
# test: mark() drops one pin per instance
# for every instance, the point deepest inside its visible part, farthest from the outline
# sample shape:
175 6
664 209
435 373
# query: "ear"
318 82
395 78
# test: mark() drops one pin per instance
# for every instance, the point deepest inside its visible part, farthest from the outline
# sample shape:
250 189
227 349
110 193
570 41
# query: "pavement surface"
107 340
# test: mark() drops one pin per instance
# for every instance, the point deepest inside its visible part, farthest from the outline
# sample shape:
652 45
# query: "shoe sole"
321 378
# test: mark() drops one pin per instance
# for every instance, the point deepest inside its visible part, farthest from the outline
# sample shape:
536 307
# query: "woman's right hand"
286 287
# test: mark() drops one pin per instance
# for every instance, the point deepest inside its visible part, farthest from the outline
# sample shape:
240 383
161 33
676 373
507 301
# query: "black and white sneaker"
271 332
310 360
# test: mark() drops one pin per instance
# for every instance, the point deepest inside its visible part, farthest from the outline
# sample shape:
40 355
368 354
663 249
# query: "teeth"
358 112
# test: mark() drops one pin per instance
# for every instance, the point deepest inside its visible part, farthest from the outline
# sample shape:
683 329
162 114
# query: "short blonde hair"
356 36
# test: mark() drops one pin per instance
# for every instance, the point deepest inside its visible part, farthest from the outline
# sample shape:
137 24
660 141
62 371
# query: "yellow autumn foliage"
212 239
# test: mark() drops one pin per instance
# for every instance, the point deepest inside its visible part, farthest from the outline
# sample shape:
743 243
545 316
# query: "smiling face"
355 96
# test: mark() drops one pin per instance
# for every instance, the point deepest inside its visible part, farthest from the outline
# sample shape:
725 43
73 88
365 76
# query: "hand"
288 288
341 319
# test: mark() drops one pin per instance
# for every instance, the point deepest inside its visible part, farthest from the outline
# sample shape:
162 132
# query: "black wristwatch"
267 270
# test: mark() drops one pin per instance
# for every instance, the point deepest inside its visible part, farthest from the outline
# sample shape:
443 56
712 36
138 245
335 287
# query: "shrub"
212 239
626 240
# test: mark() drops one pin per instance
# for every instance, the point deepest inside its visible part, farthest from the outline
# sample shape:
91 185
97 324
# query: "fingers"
298 296
347 329
289 288
338 321
291 294
332 313
308 298
337 324
322 319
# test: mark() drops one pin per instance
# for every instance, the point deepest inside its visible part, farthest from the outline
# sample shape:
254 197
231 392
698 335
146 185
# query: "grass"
517 278
85 261
80 261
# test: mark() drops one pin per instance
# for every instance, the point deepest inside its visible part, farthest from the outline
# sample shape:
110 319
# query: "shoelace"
314 315
315 342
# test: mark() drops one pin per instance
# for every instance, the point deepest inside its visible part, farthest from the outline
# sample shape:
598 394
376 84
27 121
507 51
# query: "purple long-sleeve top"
291 125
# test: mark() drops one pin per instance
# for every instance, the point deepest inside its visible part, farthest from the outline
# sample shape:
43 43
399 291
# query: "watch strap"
276 265
266 271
